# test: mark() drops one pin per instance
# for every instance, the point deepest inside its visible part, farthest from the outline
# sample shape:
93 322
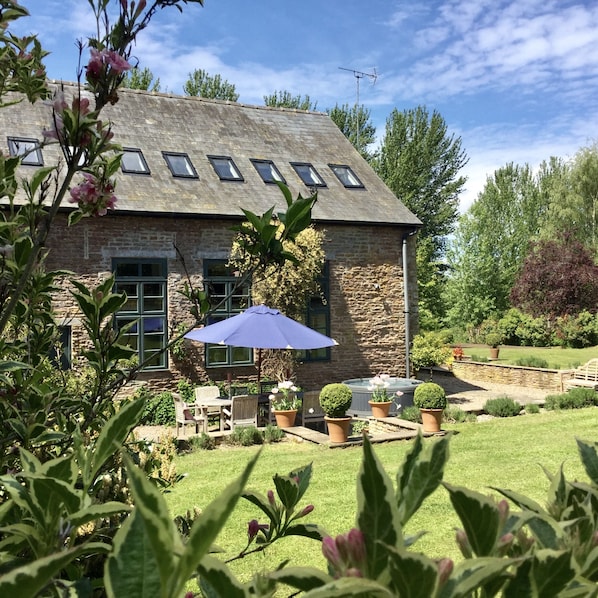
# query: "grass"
558 358
503 453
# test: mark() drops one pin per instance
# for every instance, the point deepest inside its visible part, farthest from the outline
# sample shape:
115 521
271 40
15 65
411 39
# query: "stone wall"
366 289
544 379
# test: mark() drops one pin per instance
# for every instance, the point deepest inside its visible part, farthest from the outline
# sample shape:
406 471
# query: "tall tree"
204 85
138 78
284 99
356 125
491 243
420 162
584 175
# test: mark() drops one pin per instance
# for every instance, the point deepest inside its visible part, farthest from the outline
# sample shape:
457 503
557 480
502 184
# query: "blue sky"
517 80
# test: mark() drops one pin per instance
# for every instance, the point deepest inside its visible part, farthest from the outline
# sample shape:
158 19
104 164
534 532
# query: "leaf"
350 586
38 178
307 530
287 491
31 578
113 435
479 516
589 458
413 575
132 570
551 572
93 512
522 501
301 578
154 512
471 574
377 513
260 501
220 579
545 529
421 477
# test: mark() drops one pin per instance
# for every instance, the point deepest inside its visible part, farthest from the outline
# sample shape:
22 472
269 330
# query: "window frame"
299 167
140 314
135 150
30 157
223 176
311 311
224 311
273 168
350 172
190 175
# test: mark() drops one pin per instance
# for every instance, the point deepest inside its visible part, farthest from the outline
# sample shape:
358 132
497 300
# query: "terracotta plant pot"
338 428
431 419
285 419
380 409
494 352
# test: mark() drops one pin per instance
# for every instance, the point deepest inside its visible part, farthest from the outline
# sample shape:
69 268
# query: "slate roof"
157 122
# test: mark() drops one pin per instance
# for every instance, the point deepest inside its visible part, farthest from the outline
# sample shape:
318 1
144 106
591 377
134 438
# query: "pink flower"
254 527
104 61
346 554
93 197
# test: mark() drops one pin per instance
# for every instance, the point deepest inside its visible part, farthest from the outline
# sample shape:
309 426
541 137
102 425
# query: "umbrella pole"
259 368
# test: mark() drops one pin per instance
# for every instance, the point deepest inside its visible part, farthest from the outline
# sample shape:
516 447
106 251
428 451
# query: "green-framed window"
228 299
317 316
145 283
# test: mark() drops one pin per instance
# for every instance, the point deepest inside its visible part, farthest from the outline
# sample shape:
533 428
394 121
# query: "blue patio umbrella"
261 327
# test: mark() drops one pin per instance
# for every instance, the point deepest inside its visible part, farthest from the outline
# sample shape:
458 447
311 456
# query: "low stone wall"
544 379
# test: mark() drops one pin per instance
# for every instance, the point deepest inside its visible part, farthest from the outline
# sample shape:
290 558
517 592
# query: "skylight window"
308 174
28 149
180 165
133 162
268 171
225 168
346 176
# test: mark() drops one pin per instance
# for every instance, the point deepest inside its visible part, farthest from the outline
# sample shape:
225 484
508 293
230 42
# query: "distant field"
557 357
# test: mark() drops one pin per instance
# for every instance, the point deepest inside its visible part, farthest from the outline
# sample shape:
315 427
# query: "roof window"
180 165
268 171
225 168
346 176
28 150
308 174
133 162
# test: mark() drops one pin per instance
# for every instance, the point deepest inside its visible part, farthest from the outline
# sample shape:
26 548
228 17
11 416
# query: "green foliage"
532 408
411 413
159 410
355 123
502 407
186 389
493 339
273 434
428 350
577 331
284 99
141 79
203 442
575 398
532 362
454 415
245 436
335 399
429 395
200 83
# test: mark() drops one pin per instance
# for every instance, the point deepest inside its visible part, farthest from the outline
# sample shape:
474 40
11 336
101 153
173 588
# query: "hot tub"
361 394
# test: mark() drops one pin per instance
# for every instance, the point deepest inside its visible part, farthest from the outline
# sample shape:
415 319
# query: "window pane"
28 149
241 354
126 269
345 175
217 355
133 161
308 174
225 168
152 270
180 165
268 171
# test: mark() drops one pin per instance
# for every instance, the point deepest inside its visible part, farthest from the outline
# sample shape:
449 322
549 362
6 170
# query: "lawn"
558 358
503 453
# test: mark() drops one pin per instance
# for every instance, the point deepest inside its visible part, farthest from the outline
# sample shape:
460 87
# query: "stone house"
189 166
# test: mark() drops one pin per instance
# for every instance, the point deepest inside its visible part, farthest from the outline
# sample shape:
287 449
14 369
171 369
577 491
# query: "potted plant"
335 399
430 398
493 339
381 401
285 403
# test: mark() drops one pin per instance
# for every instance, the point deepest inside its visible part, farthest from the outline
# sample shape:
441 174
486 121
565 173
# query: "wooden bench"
585 376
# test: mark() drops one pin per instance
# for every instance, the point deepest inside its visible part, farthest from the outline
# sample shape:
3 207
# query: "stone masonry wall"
366 289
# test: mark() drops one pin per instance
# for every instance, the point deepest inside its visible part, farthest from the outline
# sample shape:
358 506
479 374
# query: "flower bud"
271 498
356 545
504 543
253 527
503 511
330 552
463 543
445 568
306 511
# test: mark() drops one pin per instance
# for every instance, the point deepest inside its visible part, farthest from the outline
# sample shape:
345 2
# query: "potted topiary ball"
335 400
430 398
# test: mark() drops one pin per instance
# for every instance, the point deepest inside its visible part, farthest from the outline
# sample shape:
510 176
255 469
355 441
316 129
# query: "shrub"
273 434
186 389
479 358
335 399
429 349
245 436
358 426
204 441
429 395
532 362
502 407
532 408
159 410
576 398
411 414
454 415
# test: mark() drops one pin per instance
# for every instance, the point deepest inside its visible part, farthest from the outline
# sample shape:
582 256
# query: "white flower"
384 376
271 397
311 410
274 390
399 393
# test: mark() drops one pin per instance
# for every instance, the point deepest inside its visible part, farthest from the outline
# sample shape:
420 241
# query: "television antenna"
359 75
